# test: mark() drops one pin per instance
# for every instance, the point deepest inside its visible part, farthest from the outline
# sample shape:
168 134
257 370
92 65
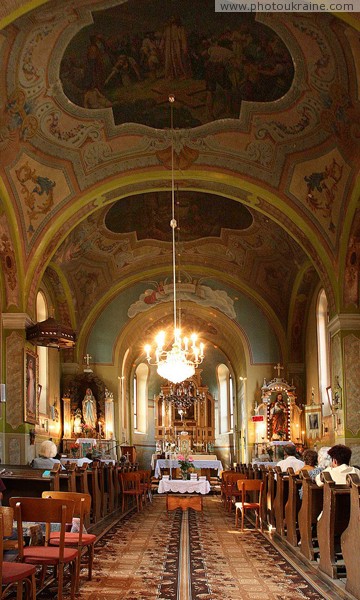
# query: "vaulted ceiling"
266 147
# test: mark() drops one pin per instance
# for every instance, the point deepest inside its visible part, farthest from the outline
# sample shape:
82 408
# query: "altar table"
184 486
166 463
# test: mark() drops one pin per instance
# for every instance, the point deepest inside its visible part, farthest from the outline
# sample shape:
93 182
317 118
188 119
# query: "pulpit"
129 452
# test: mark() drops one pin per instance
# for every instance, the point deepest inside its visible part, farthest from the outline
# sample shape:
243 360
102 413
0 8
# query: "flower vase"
184 475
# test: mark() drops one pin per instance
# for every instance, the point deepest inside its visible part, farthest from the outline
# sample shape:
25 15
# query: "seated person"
46 458
290 459
339 468
310 459
322 463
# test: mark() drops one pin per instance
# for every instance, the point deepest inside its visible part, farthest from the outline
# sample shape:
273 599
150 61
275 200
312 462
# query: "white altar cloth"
166 463
183 486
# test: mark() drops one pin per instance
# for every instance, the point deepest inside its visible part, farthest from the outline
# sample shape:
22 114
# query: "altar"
166 463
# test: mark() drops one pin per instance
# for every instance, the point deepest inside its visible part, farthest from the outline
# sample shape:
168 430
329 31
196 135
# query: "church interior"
166 167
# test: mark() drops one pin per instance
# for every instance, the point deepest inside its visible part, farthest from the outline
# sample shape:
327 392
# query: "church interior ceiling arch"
266 162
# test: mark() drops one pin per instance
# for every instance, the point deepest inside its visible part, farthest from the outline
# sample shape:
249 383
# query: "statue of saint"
278 416
89 409
77 421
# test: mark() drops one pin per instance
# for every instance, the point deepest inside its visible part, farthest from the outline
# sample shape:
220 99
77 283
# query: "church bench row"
324 525
100 481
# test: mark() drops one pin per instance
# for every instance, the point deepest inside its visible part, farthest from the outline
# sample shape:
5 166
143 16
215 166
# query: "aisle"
155 556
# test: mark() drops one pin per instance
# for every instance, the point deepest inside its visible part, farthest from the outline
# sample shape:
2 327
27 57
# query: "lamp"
182 396
180 361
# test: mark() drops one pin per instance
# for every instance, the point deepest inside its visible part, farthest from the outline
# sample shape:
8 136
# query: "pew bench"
332 523
292 507
311 507
350 539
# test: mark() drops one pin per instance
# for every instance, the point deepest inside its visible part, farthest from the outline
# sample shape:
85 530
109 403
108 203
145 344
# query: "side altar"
88 418
278 419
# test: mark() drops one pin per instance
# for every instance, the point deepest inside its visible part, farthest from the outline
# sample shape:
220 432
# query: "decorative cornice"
344 322
16 320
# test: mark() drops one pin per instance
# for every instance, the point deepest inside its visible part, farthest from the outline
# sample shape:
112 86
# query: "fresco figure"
175 48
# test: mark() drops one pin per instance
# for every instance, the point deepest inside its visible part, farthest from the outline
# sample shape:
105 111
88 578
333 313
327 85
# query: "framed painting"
313 420
31 388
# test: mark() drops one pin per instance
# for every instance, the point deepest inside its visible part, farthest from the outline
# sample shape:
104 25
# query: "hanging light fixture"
182 395
180 361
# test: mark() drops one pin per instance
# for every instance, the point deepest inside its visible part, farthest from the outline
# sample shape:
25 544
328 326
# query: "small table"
184 486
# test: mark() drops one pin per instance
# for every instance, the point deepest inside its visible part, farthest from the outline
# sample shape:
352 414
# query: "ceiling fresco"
273 125
198 215
132 54
247 247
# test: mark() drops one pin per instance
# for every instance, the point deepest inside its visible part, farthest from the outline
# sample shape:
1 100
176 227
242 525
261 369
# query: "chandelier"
182 396
178 362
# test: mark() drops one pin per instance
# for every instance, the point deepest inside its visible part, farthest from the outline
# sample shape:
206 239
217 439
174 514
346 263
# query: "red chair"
131 488
80 540
48 511
247 486
14 573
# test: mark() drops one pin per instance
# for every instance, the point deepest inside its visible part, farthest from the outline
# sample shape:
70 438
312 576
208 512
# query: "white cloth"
290 461
338 474
165 463
182 487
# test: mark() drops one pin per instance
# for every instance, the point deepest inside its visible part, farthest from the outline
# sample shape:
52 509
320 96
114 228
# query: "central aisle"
190 556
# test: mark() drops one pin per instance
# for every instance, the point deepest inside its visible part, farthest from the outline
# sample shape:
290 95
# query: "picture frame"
313 417
31 387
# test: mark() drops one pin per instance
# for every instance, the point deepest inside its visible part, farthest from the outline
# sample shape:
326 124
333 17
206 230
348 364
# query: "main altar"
185 418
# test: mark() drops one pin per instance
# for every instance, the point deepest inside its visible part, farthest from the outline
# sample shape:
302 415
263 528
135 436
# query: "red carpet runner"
155 556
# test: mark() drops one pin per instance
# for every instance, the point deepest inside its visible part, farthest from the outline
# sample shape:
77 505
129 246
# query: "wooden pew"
94 490
350 539
311 507
68 478
282 489
270 497
26 481
332 523
292 507
263 474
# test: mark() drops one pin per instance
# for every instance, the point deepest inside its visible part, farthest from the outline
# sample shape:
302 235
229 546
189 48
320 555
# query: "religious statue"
89 409
77 421
278 418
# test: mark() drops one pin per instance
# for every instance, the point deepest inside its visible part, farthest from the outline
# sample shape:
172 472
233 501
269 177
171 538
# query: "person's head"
279 397
48 449
310 457
323 457
340 454
289 450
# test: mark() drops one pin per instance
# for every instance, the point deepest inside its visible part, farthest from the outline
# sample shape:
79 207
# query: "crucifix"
278 368
87 358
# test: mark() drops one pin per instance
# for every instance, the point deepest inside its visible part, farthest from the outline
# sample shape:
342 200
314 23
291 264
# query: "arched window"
140 398
322 320
43 354
226 404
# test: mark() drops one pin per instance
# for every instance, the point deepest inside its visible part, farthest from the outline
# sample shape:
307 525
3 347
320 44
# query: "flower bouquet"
74 449
185 463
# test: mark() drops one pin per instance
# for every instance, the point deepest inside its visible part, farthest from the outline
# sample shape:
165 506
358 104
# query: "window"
323 350
226 404
140 398
43 353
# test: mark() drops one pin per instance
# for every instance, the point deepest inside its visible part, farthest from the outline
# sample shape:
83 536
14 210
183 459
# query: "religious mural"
198 216
135 54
